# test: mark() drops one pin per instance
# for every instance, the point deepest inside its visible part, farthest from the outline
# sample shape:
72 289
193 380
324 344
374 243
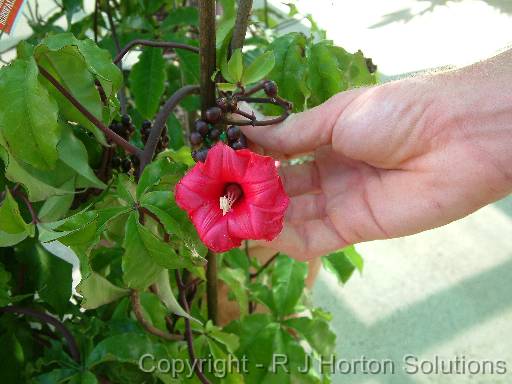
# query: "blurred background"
445 292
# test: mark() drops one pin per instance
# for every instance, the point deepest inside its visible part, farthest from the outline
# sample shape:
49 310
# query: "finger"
306 207
303 132
307 240
300 178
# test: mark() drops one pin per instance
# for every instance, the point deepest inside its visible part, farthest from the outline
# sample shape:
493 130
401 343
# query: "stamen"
231 194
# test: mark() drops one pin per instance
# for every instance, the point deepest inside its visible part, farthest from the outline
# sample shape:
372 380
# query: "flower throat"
232 193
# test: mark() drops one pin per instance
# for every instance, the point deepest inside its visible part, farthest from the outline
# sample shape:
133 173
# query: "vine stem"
156 44
128 147
72 345
242 20
264 266
137 309
207 52
160 120
188 331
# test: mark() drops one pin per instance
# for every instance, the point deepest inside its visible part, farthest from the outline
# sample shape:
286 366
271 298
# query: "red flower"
233 196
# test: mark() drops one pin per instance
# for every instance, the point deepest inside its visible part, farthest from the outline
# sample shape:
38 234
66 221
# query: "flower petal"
196 188
212 228
226 164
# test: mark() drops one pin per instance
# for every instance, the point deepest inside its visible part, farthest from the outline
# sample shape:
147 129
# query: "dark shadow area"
405 15
417 328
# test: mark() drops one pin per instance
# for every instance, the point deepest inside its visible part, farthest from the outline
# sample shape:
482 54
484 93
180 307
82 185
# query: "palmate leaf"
147 81
13 228
10 217
76 64
97 291
259 68
69 68
98 60
48 273
28 112
73 153
166 294
114 348
325 77
290 70
236 280
288 279
139 267
343 263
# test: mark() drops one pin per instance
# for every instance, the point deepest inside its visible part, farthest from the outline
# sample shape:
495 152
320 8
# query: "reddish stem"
93 119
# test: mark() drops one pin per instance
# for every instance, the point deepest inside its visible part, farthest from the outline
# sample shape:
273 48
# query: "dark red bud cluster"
123 128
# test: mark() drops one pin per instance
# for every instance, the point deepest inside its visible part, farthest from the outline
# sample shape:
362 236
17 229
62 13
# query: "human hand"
392 160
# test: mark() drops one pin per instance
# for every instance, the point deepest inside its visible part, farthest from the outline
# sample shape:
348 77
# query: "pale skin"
395 159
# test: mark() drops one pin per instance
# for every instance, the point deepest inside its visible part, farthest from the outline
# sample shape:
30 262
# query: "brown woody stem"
156 44
160 120
137 309
242 20
188 331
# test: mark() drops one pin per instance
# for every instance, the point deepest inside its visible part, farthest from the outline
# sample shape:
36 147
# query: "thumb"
302 132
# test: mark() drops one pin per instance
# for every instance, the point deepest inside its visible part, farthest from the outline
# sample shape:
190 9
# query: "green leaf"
97 291
236 258
236 280
40 185
161 170
114 348
290 70
50 274
11 221
259 68
86 377
147 81
12 359
69 68
167 296
5 277
175 132
153 310
72 7
231 341
235 67
353 67
287 283
73 153
56 207
325 77
139 269
343 263
317 332
175 220
76 223
161 253
189 65
32 115
257 336
181 16
8 240
263 295
125 189
98 60
59 375
226 87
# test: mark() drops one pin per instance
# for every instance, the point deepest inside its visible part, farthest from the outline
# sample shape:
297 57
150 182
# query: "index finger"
302 132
